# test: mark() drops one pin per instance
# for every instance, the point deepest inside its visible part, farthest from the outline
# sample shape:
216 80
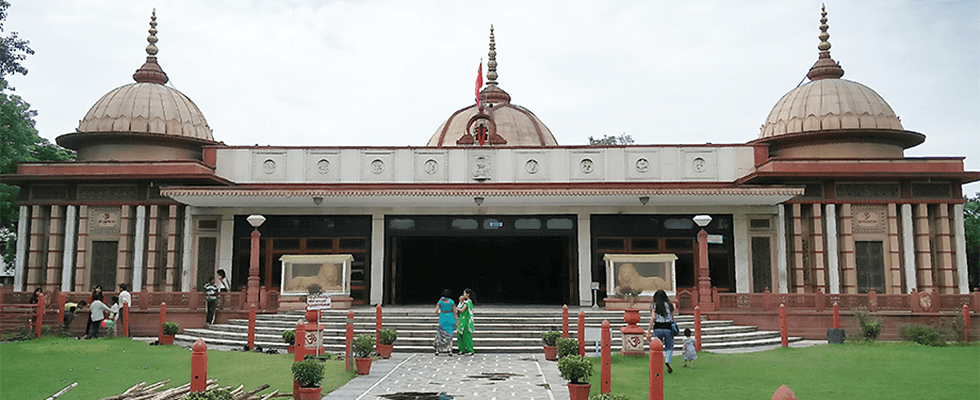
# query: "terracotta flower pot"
551 353
167 339
579 391
312 393
385 350
290 349
363 366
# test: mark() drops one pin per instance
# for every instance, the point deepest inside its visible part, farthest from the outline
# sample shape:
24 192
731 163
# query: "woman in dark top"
661 320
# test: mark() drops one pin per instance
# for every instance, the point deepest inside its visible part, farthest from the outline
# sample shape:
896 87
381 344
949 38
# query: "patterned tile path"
482 376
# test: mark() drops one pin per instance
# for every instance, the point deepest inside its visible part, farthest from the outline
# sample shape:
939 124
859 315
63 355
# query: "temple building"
823 200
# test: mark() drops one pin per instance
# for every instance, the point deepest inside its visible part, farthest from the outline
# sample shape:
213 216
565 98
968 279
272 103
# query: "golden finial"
825 67
492 64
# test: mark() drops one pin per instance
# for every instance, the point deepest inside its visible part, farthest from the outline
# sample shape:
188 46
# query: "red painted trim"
210 156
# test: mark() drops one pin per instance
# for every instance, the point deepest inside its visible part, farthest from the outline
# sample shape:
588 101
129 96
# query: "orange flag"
479 83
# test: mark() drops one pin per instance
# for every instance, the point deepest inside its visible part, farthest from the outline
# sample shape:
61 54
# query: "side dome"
493 121
145 120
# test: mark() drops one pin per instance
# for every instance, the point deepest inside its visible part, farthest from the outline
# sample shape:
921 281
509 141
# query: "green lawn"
36 369
882 370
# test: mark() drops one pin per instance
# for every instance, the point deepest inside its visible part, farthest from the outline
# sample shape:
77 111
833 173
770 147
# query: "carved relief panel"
531 165
104 220
869 220
322 166
642 164
377 166
699 164
480 165
430 166
269 165
586 165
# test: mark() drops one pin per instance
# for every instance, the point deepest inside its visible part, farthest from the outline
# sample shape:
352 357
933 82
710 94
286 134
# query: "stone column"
833 264
849 262
923 250
908 248
894 260
67 263
186 268
377 258
81 269
152 254
743 278
962 280
585 259
170 275
126 270
34 258
781 265
944 253
819 269
56 237
798 284
20 259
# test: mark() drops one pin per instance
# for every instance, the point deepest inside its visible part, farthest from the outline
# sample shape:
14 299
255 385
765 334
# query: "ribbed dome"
145 107
829 104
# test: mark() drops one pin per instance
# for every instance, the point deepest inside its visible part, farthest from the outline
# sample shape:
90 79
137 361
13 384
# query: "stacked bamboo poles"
143 391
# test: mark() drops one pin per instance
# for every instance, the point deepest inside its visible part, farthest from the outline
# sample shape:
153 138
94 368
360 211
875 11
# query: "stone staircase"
499 329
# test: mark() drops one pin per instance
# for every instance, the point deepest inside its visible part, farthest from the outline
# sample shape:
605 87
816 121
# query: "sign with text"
318 302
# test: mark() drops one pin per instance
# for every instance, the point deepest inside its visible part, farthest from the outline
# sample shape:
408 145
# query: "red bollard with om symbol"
632 334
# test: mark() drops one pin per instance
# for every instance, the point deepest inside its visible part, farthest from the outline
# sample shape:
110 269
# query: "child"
211 296
98 309
70 310
690 354
114 315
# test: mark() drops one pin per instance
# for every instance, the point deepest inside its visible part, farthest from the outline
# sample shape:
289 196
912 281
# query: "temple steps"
499 329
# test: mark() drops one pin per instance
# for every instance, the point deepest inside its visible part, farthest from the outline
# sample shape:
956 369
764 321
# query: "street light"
704 274
252 293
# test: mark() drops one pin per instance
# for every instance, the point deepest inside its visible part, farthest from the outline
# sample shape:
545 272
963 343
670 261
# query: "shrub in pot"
289 337
169 330
577 370
387 338
363 347
550 340
567 347
308 373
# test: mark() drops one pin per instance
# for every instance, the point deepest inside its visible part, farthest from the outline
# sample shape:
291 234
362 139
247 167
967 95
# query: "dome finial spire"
492 64
151 72
825 67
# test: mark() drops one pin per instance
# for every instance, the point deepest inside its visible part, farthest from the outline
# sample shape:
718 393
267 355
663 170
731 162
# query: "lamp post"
252 294
704 274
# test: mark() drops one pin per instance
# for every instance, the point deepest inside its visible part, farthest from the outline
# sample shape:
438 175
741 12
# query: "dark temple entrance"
505 260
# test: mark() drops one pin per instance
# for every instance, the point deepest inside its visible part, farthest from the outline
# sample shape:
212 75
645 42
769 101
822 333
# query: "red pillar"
252 293
656 370
125 323
836 316
783 393
581 333
349 339
163 318
783 328
564 321
39 317
299 353
377 325
251 326
199 366
966 322
606 381
697 328
62 299
704 274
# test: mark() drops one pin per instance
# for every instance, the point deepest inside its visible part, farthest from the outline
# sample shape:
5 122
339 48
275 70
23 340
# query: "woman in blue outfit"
661 321
446 309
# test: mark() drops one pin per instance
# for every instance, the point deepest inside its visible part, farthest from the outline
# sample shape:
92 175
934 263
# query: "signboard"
716 239
318 302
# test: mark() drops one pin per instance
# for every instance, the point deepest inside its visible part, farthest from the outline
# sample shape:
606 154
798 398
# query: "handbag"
673 329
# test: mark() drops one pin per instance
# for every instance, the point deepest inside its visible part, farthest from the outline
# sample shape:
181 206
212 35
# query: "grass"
879 370
37 369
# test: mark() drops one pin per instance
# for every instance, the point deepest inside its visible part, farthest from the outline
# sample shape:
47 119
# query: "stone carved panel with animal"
645 273
329 272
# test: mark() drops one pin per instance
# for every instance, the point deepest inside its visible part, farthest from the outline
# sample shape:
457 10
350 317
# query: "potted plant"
550 340
566 347
308 373
170 329
577 370
387 338
363 347
289 336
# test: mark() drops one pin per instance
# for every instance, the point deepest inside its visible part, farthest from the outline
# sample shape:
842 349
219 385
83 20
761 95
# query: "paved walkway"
482 376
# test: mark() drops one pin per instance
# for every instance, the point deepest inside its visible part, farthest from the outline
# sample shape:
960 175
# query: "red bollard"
783 329
656 370
251 326
605 385
377 325
163 318
564 321
299 352
125 322
199 366
966 323
836 316
62 299
581 333
783 393
697 328
39 318
349 362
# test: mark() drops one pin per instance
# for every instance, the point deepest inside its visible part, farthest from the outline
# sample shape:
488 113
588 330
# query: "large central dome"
494 122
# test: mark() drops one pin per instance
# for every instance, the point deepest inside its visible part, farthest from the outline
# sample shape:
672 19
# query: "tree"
971 222
606 140
18 135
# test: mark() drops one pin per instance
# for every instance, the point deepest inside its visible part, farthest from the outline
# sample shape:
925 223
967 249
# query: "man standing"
125 299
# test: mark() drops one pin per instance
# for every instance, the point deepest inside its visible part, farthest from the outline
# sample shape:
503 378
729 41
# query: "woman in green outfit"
465 325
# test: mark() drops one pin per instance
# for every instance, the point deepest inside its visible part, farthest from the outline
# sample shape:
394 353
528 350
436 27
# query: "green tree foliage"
971 222
606 140
18 135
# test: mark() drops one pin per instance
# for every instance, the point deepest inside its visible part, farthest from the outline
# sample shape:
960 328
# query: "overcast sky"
388 73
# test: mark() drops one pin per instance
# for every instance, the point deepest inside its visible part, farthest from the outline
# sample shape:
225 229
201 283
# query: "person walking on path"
465 325
211 295
690 353
447 324
661 324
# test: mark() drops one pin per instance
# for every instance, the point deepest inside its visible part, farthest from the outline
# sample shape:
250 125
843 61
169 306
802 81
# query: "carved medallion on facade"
586 165
323 166
699 165
431 166
531 166
269 166
377 166
642 165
